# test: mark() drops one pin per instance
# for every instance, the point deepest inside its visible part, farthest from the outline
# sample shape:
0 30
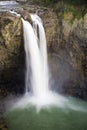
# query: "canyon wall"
67 48
67 51
11 53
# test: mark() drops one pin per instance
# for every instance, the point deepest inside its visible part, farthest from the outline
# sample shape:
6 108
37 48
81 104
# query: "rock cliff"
11 52
67 49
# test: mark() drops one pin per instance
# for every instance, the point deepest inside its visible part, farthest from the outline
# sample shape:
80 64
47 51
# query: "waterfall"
41 39
32 51
36 58
39 94
37 75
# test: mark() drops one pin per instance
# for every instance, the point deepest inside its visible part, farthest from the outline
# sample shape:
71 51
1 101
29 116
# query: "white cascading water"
36 59
37 52
41 40
33 59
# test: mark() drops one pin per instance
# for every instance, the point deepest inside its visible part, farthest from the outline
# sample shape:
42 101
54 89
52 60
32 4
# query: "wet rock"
69 43
66 41
11 52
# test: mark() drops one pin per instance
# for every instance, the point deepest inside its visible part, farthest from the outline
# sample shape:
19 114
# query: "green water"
48 119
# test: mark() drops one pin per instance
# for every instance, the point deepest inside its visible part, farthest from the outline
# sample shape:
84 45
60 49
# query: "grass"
47 119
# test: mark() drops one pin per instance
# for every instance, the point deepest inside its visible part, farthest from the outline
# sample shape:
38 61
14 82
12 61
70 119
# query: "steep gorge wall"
67 47
11 52
12 55
67 51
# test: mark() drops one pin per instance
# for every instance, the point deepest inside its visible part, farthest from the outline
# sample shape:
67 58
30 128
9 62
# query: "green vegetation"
75 7
76 12
75 2
78 8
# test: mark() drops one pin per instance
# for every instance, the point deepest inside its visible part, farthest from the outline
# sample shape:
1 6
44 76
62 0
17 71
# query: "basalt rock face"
11 53
67 47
